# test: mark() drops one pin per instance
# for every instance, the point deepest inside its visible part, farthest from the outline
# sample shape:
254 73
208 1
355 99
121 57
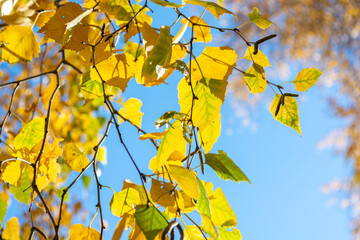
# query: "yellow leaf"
124 202
12 172
306 78
20 43
79 232
213 8
102 155
122 225
186 180
30 134
56 105
260 58
258 19
11 230
55 28
209 135
76 159
131 110
163 193
154 135
255 78
171 139
208 226
192 232
116 70
288 113
214 62
201 33
221 212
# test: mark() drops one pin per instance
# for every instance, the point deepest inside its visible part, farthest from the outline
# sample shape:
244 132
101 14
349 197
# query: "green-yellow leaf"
225 234
306 78
208 226
202 204
131 110
186 180
19 191
288 113
259 20
210 134
225 167
221 212
172 138
90 89
167 4
192 232
213 8
75 158
124 202
31 134
79 232
3 209
159 58
255 78
260 58
150 220
20 43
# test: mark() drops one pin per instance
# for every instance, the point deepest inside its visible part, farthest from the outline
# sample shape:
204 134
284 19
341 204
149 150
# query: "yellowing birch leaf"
20 43
56 105
255 78
79 232
208 226
131 110
229 235
259 20
154 135
30 134
214 62
221 212
306 78
186 180
202 204
162 193
167 4
171 139
11 230
76 159
12 172
124 202
116 70
122 225
159 58
55 28
213 8
192 232
210 134
23 183
288 113
201 33
260 58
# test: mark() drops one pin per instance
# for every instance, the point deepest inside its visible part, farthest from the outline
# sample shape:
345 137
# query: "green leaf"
86 181
167 4
255 78
225 167
259 20
288 113
3 209
90 89
159 58
186 180
150 220
124 201
18 191
224 234
202 204
260 58
210 95
30 134
221 212
171 139
208 226
213 8
306 78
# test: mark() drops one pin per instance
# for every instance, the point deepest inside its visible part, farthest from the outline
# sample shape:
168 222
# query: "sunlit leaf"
225 167
213 8
131 110
192 232
202 205
75 158
221 212
167 4
306 78
162 193
90 89
208 226
3 209
12 172
288 113
225 234
20 44
259 20
79 232
186 180
24 184
150 220
201 33
11 230
154 135
260 58
30 134
255 78
124 201
210 134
